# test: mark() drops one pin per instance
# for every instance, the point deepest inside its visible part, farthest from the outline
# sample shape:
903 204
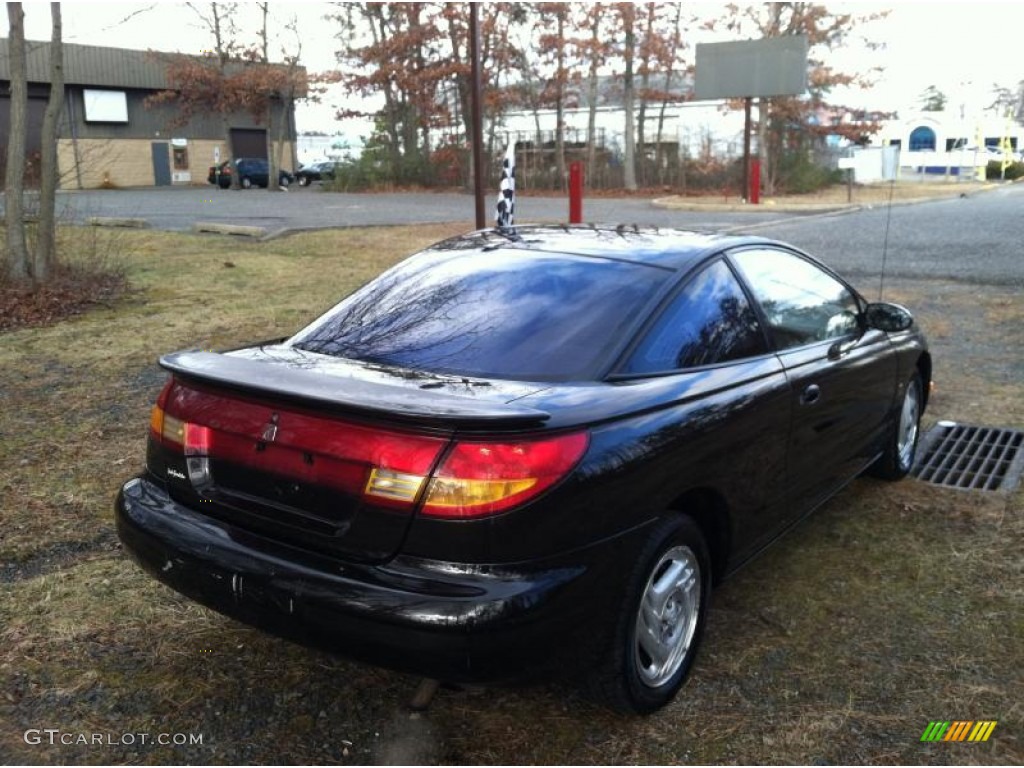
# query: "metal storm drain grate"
972 458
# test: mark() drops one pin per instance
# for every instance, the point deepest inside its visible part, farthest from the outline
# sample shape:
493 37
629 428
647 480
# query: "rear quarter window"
709 322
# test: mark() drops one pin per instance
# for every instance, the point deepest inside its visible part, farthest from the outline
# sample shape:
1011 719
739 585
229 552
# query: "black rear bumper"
443 620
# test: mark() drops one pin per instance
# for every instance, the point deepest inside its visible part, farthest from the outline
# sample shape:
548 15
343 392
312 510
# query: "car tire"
285 181
303 181
246 182
659 623
901 441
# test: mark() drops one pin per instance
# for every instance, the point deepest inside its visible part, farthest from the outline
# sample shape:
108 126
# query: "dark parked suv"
524 449
252 171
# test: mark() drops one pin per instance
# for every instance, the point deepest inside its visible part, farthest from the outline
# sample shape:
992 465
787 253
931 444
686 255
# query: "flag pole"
476 100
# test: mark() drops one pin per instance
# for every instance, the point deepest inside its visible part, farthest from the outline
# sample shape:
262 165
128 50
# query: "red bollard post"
576 193
754 193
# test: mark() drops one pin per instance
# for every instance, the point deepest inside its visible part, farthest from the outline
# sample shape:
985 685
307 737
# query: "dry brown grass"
840 194
880 193
893 606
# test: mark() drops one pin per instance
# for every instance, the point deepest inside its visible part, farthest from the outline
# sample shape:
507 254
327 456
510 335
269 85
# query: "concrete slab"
240 230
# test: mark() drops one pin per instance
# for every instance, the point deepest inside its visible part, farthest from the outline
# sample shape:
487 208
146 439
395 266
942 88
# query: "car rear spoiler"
349 395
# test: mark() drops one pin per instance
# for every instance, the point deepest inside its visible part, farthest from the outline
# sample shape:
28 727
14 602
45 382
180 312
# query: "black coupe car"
307 174
522 450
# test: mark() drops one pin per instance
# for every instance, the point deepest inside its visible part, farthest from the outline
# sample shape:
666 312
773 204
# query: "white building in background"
695 126
339 146
941 142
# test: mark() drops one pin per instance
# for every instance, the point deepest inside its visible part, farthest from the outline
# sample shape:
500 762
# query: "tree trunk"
273 164
17 251
641 129
46 256
628 95
463 79
378 29
645 83
764 153
287 110
559 100
222 60
595 42
659 154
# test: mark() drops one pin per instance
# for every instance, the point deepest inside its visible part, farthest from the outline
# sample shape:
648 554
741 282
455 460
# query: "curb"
669 203
287 231
113 221
240 230
672 203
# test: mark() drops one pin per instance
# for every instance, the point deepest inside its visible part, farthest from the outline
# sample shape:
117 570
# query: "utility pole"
476 100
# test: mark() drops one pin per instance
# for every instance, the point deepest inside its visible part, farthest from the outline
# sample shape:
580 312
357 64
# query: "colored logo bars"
959 730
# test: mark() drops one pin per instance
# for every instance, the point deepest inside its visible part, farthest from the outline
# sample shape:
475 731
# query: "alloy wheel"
666 622
910 416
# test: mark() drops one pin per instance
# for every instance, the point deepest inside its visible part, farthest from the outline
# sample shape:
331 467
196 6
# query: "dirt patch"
71 292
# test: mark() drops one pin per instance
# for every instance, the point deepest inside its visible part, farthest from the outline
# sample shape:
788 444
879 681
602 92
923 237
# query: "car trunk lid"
314 453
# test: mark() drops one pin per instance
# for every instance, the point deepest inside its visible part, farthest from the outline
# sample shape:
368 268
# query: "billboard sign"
773 66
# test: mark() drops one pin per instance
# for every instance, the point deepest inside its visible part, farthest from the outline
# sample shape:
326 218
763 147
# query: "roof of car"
666 248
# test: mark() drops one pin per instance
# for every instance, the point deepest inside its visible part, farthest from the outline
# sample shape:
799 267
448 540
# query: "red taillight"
197 440
386 467
483 478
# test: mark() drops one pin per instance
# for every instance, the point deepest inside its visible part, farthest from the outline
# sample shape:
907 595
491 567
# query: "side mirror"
891 318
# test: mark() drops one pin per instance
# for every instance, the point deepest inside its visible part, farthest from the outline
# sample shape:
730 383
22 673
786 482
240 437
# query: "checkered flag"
506 214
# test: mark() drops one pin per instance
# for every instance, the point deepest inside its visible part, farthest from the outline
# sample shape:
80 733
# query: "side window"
709 322
801 303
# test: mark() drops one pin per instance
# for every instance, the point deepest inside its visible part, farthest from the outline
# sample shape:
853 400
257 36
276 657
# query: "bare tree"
596 51
785 121
17 252
280 90
674 47
288 95
552 47
628 16
273 163
220 22
46 256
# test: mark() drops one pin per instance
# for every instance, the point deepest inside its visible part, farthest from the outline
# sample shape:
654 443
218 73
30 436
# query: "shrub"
994 170
798 174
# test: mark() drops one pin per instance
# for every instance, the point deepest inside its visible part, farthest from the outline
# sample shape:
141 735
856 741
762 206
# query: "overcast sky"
961 47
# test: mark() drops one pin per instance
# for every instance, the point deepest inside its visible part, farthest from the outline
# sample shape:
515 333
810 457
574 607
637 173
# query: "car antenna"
885 240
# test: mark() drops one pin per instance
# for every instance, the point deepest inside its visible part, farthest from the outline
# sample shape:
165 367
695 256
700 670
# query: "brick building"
108 136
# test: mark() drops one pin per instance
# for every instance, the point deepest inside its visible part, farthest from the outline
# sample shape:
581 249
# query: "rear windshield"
501 314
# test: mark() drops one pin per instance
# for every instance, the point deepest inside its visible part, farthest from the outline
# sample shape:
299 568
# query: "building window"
922 139
953 144
181 158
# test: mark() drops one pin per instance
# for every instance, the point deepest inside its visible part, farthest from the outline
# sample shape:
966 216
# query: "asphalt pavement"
979 238
178 208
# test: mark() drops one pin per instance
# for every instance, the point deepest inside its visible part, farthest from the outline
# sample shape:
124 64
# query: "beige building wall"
105 163
113 163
